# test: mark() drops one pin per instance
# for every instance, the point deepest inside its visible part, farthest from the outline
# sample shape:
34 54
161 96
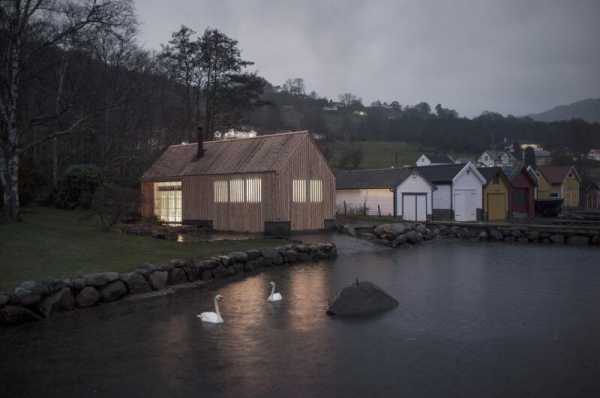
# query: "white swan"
213 317
274 296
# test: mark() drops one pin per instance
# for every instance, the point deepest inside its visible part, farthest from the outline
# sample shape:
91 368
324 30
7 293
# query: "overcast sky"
509 56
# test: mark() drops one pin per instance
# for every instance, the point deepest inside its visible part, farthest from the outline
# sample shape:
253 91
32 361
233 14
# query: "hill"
588 110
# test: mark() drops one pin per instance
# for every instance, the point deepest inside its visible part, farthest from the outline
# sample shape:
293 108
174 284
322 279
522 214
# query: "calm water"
477 320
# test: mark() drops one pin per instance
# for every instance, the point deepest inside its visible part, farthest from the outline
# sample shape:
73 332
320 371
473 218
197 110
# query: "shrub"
113 203
77 186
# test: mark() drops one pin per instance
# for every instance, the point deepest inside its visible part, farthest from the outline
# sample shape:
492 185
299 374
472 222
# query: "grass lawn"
382 154
52 243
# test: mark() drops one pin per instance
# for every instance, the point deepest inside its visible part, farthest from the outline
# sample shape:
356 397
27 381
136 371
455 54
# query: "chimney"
200 152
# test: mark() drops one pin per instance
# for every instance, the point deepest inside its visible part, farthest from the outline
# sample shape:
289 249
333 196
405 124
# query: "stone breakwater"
36 300
393 235
408 234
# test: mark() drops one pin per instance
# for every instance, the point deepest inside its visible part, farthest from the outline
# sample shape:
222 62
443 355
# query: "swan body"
274 296
213 317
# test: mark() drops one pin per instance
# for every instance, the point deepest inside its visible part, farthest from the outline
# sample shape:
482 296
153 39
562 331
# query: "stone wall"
35 300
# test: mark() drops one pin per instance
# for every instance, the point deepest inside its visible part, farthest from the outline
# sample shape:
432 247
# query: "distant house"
491 158
559 182
458 191
542 157
387 192
234 134
590 191
433 159
594 154
522 203
496 194
272 183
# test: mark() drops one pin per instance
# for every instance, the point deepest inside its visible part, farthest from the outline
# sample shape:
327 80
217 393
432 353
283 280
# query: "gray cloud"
510 56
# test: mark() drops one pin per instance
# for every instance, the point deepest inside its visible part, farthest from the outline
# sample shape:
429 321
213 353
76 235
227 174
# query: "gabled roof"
438 157
243 155
490 172
497 155
443 173
556 174
371 178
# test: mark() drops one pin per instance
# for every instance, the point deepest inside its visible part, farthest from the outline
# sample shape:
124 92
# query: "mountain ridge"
587 109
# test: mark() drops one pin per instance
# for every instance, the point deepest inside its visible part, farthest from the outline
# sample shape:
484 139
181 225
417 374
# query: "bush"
112 204
77 187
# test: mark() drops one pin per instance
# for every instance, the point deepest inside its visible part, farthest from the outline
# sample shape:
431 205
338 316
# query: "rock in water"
362 298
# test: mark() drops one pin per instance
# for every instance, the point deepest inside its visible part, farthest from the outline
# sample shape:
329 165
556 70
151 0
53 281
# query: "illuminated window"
167 201
316 191
221 192
236 191
299 191
253 190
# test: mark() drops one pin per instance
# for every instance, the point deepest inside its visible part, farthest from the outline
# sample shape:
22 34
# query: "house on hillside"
542 157
272 183
496 194
433 159
559 182
399 192
590 193
458 191
491 158
594 154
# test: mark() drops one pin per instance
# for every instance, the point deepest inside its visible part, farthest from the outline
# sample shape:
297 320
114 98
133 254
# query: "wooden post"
379 210
345 209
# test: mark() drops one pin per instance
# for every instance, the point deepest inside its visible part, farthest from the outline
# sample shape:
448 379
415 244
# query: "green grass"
52 243
381 154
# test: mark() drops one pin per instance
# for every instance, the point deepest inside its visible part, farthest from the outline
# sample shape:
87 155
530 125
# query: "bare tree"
29 28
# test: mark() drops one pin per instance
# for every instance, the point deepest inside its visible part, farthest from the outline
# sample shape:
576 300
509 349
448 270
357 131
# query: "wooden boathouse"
273 183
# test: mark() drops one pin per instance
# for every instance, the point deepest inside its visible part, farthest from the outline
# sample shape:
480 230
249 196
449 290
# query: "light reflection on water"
473 319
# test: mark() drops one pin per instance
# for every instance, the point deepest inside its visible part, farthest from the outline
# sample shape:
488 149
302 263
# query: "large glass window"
236 191
253 190
167 201
299 191
316 191
221 191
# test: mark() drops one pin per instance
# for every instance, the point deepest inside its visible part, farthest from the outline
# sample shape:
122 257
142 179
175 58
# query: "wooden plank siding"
147 200
307 163
198 203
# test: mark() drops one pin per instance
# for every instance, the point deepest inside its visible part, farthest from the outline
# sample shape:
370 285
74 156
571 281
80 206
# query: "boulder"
14 315
394 229
413 237
100 278
400 239
253 254
496 235
367 235
4 299
557 238
158 279
136 283
25 297
483 235
87 297
75 283
291 256
362 298
422 229
238 257
177 276
533 236
113 291
272 257
62 300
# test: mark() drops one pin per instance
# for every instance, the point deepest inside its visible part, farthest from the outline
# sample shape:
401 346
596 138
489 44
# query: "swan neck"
217 307
272 289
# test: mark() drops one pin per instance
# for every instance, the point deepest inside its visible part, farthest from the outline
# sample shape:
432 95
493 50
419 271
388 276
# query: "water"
474 320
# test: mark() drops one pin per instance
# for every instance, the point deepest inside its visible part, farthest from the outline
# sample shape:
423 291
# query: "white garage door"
414 207
465 205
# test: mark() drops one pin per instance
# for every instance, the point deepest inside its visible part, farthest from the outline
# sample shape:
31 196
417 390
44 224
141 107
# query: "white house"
458 191
433 159
367 191
414 196
491 158
401 192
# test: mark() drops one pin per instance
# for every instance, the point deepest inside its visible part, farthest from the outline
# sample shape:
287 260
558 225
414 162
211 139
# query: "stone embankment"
35 300
393 235
407 234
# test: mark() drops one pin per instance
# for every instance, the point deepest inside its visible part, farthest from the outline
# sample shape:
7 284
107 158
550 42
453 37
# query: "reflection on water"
474 320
